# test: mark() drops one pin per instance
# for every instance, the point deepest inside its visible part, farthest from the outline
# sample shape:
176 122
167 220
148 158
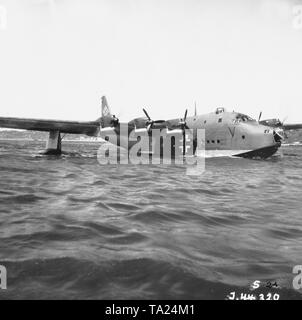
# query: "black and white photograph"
150 152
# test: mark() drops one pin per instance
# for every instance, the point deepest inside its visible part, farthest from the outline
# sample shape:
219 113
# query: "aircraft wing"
292 126
88 128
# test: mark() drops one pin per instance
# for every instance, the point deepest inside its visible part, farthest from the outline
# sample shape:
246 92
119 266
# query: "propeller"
183 122
260 116
183 126
151 122
115 121
283 121
147 115
282 125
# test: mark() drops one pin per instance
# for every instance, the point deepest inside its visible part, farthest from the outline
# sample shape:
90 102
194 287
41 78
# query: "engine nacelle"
174 132
140 131
108 130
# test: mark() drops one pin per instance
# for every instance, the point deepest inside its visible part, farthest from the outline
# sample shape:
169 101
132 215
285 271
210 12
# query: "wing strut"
54 143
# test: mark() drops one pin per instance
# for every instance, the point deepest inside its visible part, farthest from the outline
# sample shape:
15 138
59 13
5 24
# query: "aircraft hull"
262 153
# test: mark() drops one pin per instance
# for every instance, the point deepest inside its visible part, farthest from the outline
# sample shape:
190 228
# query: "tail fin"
105 108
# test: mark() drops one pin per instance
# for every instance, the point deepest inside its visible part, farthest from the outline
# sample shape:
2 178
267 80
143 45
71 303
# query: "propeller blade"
183 122
147 115
185 117
151 122
284 120
184 142
260 115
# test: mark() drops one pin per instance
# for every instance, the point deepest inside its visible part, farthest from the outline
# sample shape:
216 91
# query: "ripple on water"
70 228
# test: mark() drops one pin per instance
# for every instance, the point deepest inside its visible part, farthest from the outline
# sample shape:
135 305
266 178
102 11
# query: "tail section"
105 108
107 119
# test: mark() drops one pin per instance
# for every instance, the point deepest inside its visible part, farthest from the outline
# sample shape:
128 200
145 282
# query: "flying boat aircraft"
226 133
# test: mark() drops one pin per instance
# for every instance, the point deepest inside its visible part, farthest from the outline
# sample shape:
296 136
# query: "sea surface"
71 228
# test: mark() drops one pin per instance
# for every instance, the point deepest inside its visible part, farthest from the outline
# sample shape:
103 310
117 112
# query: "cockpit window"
243 118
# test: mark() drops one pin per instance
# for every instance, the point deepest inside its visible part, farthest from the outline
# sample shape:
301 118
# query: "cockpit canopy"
243 118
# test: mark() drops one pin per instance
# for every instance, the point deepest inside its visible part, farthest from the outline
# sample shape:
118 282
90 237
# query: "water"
71 229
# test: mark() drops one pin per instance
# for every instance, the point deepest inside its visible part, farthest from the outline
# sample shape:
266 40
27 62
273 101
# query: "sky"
58 57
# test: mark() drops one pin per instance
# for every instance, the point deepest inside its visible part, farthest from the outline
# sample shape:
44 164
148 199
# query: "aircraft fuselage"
226 133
